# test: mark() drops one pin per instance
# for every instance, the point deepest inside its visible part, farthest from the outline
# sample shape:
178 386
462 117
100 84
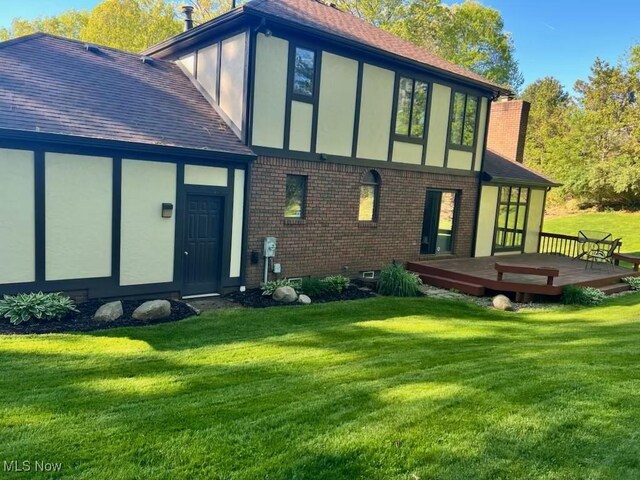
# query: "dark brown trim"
116 216
40 216
394 113
358 106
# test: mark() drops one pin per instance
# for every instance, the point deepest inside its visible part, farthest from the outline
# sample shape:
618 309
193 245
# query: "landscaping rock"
304 299
152 310
501 302
109 312
285 295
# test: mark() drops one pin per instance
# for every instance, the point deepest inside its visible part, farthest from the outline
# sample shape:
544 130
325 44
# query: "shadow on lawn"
346 392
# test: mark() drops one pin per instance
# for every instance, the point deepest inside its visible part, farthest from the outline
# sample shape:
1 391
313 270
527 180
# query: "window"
369 189
295 195
512 214
463 120
412 108
304 72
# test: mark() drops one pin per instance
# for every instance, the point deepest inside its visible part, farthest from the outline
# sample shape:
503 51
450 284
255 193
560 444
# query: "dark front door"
438 221
202 244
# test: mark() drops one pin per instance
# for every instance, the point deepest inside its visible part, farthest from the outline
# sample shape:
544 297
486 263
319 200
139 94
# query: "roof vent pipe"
187 10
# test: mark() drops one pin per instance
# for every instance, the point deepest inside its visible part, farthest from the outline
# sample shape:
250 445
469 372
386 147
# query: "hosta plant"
26 307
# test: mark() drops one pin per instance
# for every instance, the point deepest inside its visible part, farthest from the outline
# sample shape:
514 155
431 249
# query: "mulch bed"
253 298
83 321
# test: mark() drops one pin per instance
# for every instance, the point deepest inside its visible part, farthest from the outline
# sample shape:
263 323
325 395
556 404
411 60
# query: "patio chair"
602 254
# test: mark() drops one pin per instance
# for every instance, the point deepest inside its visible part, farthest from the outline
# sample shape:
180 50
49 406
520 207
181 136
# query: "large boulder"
152 310
285 295
304 299
109 312
502 302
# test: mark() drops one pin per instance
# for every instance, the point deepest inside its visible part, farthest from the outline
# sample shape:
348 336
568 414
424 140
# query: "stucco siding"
459 159
232 69
207 69
375 113
17 216
486 220
407 153
301 124
207 176
534 219
270 91
78 218
438 125
482 125
236 223
337 104
147 239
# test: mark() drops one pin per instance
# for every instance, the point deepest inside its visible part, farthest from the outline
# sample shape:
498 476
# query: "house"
288 120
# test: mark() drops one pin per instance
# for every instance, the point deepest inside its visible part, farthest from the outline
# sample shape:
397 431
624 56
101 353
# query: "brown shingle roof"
499 169
54 85
317 15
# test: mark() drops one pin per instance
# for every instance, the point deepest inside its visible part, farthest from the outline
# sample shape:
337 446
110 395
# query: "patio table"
591 240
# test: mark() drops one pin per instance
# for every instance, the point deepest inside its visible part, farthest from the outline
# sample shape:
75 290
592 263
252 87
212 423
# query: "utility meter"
270 247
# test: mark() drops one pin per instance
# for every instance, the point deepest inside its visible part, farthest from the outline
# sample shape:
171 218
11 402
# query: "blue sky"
552 37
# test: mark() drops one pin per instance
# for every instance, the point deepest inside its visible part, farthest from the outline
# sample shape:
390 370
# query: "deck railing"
559 244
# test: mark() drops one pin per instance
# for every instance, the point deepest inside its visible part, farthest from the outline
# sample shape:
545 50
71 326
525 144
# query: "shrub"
634 282
25 307
398 282
270 287
336 283
314 287
572 295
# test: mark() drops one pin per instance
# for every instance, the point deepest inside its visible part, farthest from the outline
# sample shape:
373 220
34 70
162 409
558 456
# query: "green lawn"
372 389
620 224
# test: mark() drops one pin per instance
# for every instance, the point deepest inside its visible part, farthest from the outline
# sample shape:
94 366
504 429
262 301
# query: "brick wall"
330 239
508 128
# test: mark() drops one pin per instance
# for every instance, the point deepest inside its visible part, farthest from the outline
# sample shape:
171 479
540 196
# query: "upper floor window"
412 107
463 120
295 196
512 214
369 193
304 72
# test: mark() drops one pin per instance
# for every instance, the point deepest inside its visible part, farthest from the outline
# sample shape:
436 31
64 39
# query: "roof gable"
502 170
56 86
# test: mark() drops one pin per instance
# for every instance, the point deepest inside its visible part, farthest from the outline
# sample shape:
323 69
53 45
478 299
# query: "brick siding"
508 129
330 239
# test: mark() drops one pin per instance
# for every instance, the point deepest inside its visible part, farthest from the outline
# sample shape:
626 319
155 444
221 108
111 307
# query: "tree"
386 14
131 25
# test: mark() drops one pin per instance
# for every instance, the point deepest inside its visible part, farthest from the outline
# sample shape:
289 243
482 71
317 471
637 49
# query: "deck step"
442 282
615 288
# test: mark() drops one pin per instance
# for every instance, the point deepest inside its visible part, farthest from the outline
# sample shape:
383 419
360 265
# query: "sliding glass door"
438 222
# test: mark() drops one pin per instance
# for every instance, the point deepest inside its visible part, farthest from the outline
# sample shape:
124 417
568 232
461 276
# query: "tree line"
589 141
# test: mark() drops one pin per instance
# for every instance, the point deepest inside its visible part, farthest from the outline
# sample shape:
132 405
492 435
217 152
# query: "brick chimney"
508 128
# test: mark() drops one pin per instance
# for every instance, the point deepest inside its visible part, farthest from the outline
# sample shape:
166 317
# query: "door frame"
225 252
454 223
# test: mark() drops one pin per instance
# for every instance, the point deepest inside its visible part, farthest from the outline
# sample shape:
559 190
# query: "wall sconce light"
167 210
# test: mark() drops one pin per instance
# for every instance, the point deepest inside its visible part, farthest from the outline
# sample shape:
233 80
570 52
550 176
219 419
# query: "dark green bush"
572 295
314 287
26 307
396 281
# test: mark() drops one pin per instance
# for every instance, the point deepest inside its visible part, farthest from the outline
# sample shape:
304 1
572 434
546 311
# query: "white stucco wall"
78 216
534 219
17 216
232 69
404 152
486 220
208 69
236 223
438 125
301 124
375 112
270 91
459 159
189 63
204 175
337 104
147 239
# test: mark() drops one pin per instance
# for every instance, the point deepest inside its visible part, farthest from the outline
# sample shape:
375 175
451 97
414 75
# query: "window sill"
362 224
295 221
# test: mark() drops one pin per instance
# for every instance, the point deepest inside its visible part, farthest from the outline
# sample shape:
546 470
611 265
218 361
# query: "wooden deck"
478 276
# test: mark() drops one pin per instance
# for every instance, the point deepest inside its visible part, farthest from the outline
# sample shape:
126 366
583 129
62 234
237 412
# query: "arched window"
369 196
